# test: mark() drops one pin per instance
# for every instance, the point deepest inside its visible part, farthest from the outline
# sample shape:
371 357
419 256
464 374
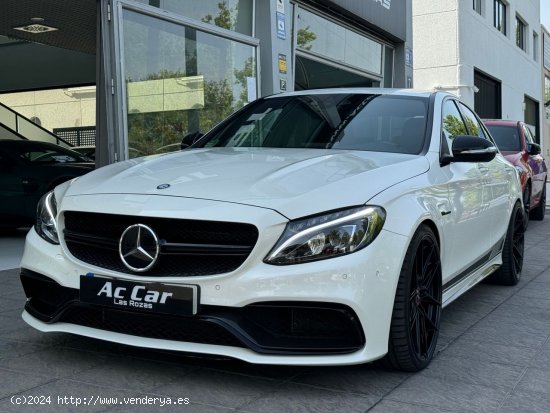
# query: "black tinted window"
506 137
383 123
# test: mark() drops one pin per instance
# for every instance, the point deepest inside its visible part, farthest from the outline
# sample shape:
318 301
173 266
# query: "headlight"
46 212
329 235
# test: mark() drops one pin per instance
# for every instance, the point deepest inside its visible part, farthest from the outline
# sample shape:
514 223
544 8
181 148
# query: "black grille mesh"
110 227
150 325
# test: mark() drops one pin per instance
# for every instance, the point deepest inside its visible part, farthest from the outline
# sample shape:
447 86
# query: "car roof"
28 143
501 122
360 90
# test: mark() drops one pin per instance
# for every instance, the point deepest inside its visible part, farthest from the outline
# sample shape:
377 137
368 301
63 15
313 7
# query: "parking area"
493 355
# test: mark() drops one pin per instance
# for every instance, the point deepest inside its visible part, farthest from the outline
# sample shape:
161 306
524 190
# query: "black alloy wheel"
512 251
417 308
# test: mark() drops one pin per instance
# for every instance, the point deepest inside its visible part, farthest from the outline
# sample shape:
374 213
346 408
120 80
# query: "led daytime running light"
320 227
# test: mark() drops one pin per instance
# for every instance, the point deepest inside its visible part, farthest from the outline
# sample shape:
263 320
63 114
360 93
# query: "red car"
517 144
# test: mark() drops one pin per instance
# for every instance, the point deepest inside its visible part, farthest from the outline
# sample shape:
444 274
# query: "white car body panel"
293 182
463 202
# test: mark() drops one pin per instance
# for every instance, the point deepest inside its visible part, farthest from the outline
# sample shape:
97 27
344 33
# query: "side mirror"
471 149
533 149
190 138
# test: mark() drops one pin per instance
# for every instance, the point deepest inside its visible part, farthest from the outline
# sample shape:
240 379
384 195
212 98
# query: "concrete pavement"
493 356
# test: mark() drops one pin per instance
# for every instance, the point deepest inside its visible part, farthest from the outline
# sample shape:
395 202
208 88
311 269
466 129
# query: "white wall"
487 49
435 39
450 39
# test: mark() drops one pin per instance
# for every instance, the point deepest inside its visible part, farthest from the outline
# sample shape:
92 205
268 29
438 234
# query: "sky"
545 13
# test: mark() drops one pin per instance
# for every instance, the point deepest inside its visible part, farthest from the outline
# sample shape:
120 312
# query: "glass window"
333 121
547 98
452 125
477 6
528 135
520 34
41 154
535 46
180 80
472 124
506 137
326 38
233 15
53 109
499 16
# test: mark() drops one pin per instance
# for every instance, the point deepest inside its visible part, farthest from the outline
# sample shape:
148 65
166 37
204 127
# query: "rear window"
506 137
382 123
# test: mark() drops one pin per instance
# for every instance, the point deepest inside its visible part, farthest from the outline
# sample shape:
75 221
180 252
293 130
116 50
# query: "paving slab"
493 355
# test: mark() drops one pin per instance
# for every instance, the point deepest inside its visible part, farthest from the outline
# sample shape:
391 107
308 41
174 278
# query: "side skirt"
473 275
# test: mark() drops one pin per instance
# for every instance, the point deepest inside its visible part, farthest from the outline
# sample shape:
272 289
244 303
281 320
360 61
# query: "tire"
512 251
527 203
417 308
539 211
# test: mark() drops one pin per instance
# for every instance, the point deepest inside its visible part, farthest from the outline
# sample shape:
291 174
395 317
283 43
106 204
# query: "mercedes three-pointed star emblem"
138 247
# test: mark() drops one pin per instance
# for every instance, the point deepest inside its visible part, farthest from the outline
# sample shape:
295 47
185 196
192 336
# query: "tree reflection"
305 38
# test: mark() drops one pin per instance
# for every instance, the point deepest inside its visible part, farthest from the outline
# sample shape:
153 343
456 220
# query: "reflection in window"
334 121
535 46
180 80
235 15
520 34
324 37
506 137
499 16
477 6
453 124
547 98
472 124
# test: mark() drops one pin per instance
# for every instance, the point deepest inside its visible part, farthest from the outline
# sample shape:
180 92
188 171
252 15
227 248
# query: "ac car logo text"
384 3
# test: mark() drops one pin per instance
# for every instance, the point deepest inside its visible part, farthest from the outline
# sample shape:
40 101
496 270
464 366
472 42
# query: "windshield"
382 123
506 137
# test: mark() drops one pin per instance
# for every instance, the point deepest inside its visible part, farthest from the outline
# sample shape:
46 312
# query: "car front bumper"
331 312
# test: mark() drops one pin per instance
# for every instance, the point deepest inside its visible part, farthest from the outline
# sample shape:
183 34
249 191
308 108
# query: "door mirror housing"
533 149
190 138
471 149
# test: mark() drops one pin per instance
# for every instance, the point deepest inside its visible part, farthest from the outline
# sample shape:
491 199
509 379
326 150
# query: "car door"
465 222
496 177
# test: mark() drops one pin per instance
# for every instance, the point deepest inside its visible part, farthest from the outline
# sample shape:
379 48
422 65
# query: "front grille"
194 330
187 247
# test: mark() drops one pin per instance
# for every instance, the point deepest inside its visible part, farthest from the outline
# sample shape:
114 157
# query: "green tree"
453 126
305 38
249 70
226 17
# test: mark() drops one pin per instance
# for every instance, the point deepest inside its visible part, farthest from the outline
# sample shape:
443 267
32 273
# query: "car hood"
294 182
513 157
81 165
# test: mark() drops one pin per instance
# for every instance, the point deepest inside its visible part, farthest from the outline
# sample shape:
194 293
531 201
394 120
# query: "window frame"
499 16
521 30
476 5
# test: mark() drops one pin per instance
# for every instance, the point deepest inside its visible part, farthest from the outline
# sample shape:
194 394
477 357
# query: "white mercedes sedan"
325 227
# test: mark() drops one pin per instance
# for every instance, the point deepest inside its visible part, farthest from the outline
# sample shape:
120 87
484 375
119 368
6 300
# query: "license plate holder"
149 297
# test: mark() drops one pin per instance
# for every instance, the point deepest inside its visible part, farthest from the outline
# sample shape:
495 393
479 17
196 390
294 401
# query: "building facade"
545 60
176 67
488 52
